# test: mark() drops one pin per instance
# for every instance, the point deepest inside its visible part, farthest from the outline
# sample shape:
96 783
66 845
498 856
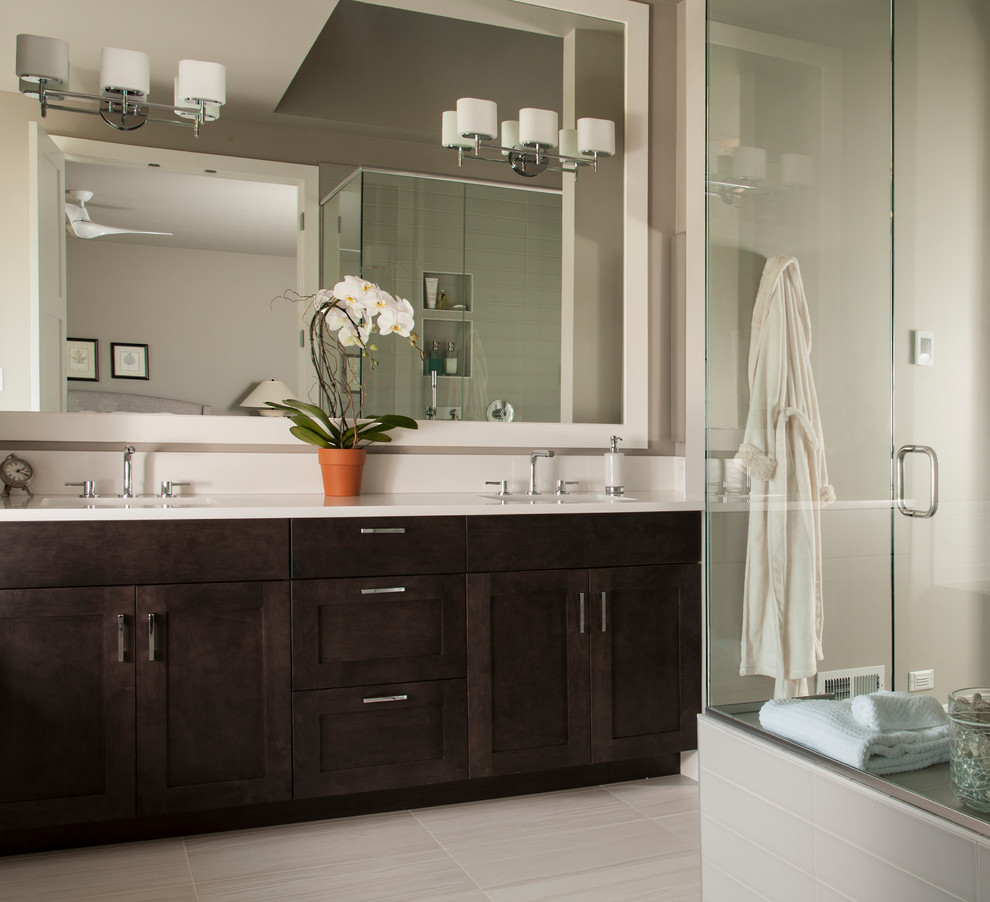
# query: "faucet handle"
167 486
503 485
562 486
88 488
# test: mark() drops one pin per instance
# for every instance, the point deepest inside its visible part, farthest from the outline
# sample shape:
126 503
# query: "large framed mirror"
627 355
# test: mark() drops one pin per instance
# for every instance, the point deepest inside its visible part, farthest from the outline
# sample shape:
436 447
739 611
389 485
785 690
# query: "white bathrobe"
783 451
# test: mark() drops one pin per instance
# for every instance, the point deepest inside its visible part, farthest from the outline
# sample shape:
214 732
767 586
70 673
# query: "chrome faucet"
532 469
128 491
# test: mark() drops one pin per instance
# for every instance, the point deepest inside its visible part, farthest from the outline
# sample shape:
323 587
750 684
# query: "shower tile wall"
508 341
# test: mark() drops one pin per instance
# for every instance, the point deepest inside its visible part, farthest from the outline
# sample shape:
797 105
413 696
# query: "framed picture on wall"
82 359
128 361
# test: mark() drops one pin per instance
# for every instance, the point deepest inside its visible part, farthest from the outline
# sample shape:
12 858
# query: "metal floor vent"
852 682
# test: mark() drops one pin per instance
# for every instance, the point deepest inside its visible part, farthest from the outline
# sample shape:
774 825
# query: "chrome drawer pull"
383 530
386 698
603 613
151 637
581 622
383 591
121 639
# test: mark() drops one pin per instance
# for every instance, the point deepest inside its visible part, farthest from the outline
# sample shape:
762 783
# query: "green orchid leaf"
306 423
375 437
307 435
394 419
318 412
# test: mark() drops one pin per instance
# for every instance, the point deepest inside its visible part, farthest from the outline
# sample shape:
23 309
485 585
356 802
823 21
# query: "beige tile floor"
625 842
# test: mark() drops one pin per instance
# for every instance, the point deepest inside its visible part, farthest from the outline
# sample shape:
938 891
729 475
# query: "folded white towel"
898 711
828 726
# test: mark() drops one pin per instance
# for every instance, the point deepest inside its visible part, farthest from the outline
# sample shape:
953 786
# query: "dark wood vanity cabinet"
184 675
570 667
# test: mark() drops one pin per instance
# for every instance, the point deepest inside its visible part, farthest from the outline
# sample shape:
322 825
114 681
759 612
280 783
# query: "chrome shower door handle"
899 481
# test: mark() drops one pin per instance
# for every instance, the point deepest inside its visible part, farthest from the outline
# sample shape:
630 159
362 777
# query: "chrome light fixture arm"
120 110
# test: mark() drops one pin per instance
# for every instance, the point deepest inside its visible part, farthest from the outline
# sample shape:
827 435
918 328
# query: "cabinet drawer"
378 737
352 632
563 541
117 553
356 546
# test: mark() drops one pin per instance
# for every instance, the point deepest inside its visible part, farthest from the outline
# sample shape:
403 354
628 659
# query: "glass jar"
969 747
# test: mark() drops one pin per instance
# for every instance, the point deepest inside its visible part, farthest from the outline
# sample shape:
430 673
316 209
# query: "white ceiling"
202 212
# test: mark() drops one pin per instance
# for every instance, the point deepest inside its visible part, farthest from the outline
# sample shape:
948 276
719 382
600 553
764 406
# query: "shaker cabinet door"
214 701
528 704
645 661
66 706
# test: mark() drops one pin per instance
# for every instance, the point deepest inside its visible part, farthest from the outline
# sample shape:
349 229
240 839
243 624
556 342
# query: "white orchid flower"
398 319
382 301
356 293
350 337
337 318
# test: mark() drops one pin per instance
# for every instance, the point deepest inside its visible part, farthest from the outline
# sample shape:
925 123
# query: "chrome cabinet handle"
603 612
899 481
121 639
383 591
581 621
375 700
151 637
383 530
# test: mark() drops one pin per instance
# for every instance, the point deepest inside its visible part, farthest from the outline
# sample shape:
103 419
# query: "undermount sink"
147 501
550 498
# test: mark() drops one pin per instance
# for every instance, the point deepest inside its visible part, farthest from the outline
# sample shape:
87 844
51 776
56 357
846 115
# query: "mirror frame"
271 433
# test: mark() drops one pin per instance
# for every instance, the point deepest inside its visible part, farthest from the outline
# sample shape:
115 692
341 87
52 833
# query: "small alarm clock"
16 473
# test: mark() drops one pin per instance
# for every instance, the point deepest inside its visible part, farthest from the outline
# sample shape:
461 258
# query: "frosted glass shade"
568 146
510 135
537 127
199 80
188 110
125 70
596 136
477 117
749 163
42 58
450 134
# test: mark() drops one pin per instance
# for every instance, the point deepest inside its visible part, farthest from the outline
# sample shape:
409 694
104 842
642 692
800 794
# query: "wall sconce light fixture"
200 88
530 144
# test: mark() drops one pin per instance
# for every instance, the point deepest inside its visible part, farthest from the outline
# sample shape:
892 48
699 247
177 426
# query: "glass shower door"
799 167
941 331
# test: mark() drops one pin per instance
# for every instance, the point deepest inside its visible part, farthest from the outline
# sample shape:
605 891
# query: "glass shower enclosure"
850 138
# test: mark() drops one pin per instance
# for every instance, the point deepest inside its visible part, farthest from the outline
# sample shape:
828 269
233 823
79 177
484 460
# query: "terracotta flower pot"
342 470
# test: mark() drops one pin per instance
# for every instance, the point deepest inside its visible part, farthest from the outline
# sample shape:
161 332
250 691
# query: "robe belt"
798 415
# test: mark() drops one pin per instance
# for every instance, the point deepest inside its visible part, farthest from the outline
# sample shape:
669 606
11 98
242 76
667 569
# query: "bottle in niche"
450 360
434 359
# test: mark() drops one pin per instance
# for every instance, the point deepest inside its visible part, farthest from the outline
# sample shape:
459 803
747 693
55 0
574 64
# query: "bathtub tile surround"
625 842
778 827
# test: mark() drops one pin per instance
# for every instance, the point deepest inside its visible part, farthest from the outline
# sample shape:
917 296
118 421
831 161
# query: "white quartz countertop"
222 507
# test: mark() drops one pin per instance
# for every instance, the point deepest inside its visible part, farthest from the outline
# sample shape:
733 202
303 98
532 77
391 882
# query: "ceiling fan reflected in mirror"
79 223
